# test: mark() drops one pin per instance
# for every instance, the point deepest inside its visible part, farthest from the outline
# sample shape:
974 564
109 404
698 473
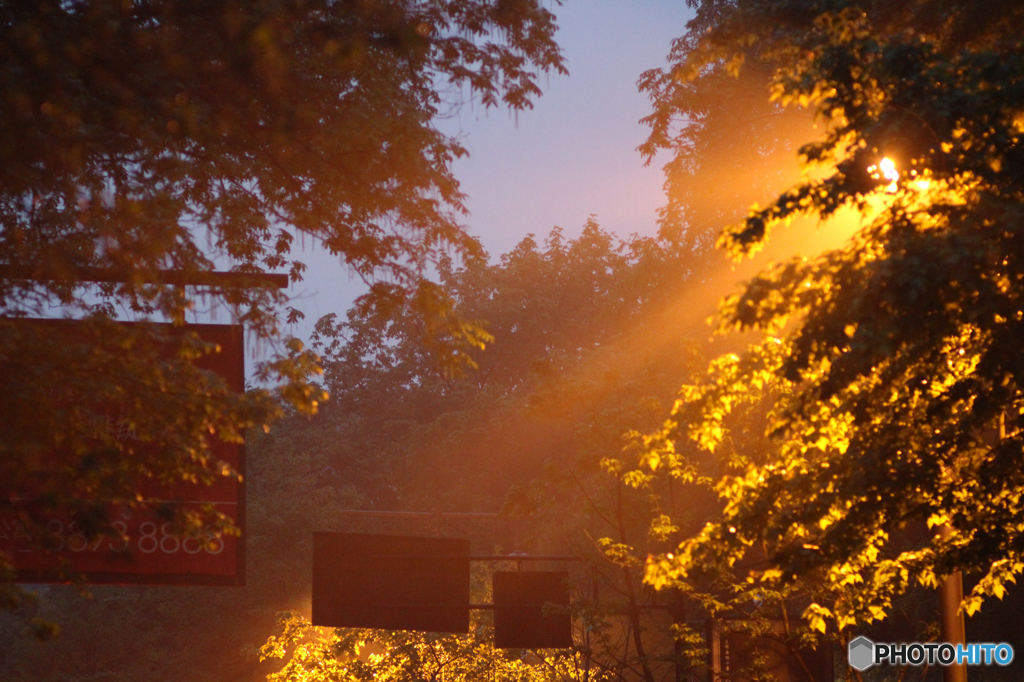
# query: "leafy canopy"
892 363
156 142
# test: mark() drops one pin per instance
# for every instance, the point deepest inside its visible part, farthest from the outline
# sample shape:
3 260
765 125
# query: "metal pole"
677 609
953 630
210 278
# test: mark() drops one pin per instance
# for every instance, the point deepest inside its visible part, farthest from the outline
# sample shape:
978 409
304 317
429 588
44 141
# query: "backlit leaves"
891 365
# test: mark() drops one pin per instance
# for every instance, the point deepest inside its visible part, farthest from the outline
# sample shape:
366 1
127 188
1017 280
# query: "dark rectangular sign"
390 582
526 613
151 554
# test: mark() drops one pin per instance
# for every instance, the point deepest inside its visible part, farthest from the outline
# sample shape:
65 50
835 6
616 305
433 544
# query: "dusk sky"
573 154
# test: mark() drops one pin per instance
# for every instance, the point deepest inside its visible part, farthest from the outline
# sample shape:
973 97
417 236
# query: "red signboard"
149 552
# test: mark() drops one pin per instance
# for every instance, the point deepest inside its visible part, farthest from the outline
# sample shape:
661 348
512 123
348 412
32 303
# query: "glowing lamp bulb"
888 168
885 170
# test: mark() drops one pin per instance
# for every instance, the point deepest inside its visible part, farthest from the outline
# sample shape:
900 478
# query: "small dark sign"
530 610
390 582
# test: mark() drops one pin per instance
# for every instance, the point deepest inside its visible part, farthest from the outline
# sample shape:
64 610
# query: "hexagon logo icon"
861 653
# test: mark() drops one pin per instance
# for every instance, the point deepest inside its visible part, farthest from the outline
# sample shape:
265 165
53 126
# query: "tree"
590 338
565 315
586 338
731 145
892 364
144 145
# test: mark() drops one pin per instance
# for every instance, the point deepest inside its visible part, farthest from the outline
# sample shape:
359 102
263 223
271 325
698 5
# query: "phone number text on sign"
147 540
144 546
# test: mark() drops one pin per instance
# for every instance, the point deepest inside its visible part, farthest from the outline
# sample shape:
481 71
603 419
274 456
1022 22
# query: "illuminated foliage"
156 142
329 654
892 364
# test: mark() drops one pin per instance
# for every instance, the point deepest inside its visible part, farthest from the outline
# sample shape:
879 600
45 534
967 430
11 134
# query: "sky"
575 153
572 155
